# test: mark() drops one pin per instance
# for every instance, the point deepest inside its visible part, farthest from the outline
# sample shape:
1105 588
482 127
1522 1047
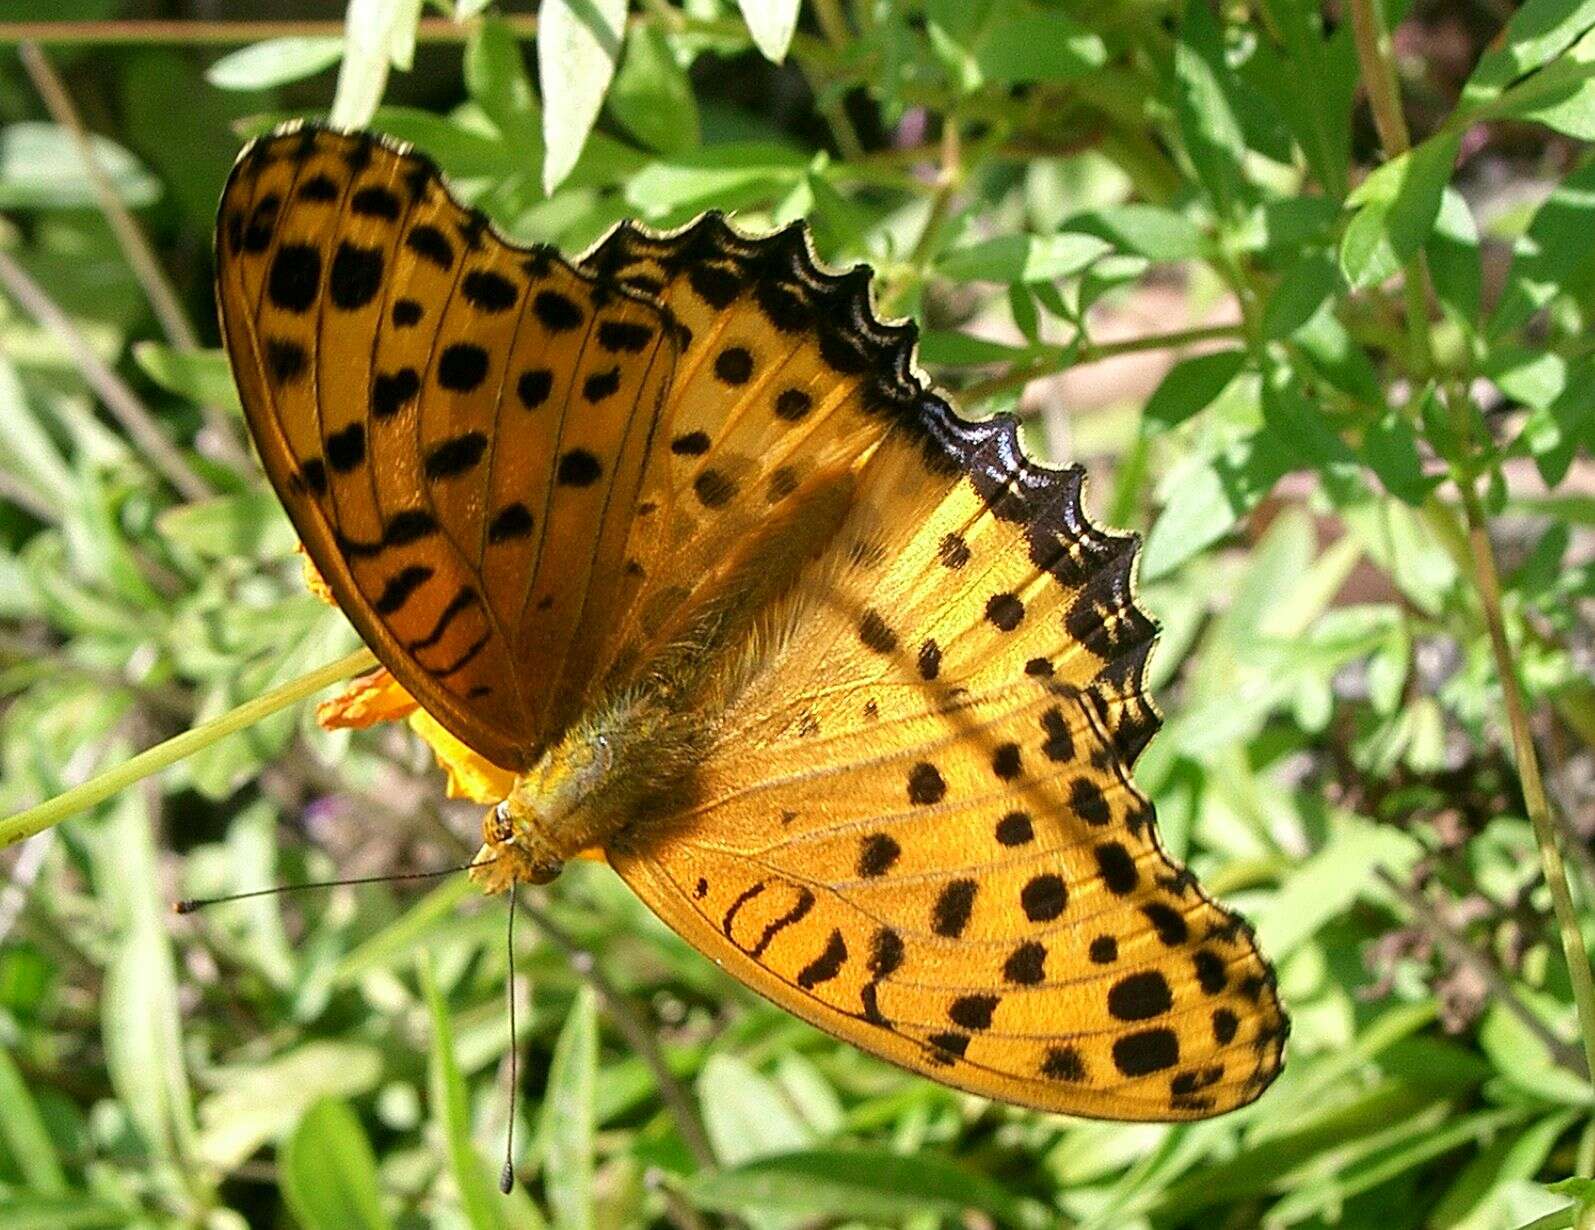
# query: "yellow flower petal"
470 776
314 581
373 698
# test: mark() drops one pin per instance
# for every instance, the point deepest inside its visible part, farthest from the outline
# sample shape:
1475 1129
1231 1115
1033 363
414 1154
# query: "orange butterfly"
845 686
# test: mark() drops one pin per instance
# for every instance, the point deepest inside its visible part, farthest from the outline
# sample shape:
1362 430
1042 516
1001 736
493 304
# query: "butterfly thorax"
602 775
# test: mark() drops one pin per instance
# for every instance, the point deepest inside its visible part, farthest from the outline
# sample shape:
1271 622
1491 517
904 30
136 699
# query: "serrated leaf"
772 24
276 61
329 1173
578 46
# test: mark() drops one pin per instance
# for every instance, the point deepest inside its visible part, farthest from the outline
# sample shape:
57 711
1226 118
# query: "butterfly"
845 687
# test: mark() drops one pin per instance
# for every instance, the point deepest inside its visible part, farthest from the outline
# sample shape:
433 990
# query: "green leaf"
376 34
257 1103
328 1172
40 168
745 1113
204 377
1396 209
1538 32
1209 498
871 1185
1454 264
1311 84
772 24
1390 450
496 79
1151 231
451 1110
578 45
723 175
652 94
1023 47
141 1019
1208 124
1022 258
276 61
1191 386
1303 289
24 1133
1554 256
568 1120
26 1212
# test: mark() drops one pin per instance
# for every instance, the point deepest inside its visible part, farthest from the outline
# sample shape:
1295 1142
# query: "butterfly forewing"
436 407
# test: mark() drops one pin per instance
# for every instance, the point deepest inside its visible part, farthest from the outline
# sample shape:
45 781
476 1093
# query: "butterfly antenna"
190 904
506 1177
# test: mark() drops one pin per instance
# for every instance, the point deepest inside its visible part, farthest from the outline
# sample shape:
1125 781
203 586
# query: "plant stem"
1379 78
120 400
1487 581
1089 352
96 790
132 240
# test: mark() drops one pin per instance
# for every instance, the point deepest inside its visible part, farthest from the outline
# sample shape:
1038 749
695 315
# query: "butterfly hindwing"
919 831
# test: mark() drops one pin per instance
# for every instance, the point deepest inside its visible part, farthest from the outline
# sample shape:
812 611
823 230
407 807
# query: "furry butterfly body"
846 687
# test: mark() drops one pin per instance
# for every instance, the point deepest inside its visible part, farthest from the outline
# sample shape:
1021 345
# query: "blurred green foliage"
1374 332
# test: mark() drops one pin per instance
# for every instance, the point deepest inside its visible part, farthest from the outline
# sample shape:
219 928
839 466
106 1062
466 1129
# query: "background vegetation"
1309 291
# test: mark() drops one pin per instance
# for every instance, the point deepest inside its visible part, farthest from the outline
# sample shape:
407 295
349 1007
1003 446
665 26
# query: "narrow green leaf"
204 377
652 95
1022 258
772 24
870 1185
1302 290
451 1110
496 79
376 35
1151 231
1538 32
40 169
568 1120
1396 209
1208 124
578 45
1191 386
25 1212
276 61
329 1173
1210 498
1554 256
24 1133
1390 449
1454 263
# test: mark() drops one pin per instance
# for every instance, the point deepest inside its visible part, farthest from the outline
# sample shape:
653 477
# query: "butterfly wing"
458 427
919 830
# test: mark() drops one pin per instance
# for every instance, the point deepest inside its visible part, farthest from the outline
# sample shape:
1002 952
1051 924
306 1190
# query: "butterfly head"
546 818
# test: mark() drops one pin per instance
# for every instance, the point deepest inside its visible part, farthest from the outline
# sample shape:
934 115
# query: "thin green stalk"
1068 356
1372 40
36 819
1487 581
